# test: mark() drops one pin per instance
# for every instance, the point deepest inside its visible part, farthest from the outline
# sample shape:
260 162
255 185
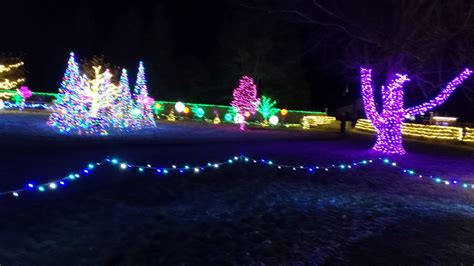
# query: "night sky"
192 49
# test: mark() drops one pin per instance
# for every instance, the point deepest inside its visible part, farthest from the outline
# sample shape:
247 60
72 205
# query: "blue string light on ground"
234 161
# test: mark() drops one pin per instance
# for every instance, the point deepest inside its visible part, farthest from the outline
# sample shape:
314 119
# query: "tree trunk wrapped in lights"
388 123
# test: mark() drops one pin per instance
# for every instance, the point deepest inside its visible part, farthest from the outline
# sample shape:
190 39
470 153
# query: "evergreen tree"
143 102
68 112
124 103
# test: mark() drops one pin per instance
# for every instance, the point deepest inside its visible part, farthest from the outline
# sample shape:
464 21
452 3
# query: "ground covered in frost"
240 214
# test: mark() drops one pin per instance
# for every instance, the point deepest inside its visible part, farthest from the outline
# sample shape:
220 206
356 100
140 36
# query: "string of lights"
469 137
388 123
6 68
309 121
422 131
10 105
9 84
196 169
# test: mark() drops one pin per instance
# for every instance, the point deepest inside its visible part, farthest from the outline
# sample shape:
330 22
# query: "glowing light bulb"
136 112
273 120
239 119
179 107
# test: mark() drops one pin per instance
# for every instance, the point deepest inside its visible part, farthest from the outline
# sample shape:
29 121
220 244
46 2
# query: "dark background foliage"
303 53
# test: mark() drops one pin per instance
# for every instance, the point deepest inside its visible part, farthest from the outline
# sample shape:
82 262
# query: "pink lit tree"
25 93
388 123
245 100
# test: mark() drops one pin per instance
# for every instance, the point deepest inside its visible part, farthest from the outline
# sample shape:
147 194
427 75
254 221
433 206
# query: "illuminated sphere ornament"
200 112
283 112
239 119
273 120
247 114
179 107
228 117
388 123
186 110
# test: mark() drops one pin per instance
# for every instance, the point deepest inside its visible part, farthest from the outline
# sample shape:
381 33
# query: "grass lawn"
239 214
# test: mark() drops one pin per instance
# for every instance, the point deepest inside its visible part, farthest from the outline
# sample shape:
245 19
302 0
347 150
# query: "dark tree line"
204 68
303 53
431 40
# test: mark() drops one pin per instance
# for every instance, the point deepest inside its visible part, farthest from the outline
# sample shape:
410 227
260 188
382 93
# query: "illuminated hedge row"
426 131
315 120
469 135
213 110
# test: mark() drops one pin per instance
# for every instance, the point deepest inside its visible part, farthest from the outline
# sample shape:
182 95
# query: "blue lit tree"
143 112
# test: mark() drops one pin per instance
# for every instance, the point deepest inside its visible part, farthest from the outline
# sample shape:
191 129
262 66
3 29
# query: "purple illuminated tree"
245 101
388 123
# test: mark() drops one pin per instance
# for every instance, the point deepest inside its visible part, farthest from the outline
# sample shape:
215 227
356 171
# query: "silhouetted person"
344 118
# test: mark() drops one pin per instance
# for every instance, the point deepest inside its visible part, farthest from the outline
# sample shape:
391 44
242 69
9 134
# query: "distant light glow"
238 119
179 107
273 120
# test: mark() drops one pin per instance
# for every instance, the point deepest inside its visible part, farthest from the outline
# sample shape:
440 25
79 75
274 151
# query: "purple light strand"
441 98
245 98
388 124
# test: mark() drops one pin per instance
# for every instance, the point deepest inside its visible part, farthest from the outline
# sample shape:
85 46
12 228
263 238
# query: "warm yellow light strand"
7 68
9 85
425 131
315 120
469 137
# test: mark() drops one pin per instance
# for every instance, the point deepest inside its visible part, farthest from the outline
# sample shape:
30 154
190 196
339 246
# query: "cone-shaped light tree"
95 105
245 101
388 123
143 112
124 103
68 112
